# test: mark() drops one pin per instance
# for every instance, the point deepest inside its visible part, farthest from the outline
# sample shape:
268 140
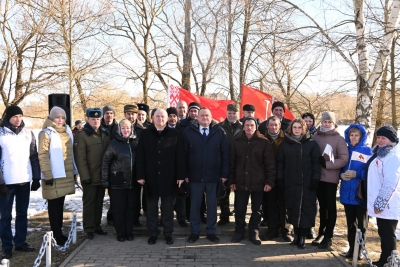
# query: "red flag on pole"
217 107
262 102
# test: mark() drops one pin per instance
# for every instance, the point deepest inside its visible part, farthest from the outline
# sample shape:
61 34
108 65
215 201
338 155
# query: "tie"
204 133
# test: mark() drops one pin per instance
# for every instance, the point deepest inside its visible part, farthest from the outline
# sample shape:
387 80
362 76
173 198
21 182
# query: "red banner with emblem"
217 107
262 102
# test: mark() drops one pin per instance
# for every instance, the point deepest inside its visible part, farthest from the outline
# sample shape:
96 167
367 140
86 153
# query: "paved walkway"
107 251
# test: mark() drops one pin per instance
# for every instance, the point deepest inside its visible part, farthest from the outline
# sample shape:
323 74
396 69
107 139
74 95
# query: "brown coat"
252 163
340 152
277 142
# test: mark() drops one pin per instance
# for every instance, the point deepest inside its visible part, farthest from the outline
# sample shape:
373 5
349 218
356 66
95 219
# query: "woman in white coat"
384 189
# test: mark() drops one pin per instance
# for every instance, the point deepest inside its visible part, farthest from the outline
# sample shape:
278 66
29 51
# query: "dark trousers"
21 194
241 201
203 209
180 209
356 218
224 205
386 231
136 200
197 190
92 199
276 209
55 208
122 207
167 215
326 194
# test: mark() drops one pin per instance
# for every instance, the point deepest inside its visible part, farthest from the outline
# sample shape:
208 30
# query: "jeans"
197 190
21 194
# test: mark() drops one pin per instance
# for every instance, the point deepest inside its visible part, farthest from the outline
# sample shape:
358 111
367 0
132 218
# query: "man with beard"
232 127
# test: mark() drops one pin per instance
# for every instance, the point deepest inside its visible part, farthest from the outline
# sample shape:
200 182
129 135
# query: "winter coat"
110 128
62 186
331 173
118 167
89 148
19 160
359 156
186 122
384 183
159 161
277 142
298 164
207 159
230 131
252 162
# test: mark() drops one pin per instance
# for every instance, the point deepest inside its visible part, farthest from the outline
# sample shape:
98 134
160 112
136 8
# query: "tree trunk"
393 83
380 119
229 52
246 27
187 51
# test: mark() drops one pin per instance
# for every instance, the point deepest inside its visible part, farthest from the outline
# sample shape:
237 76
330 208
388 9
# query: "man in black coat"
232 127
249 111
207 155
278 109
158 155
193 111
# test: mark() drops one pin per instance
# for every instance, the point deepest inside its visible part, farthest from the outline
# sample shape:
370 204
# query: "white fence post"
356 249
74 232
5 263
48 248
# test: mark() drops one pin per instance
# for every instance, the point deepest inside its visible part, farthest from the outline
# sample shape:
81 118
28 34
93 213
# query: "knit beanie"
194 105
232 107
278 104
328 116
389 132
11 111
56 112
172 110
108 108
250 118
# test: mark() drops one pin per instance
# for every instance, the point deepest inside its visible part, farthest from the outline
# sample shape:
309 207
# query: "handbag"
361 196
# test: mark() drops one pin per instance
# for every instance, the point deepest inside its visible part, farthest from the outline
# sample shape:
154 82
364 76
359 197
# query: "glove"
35 185
75 177
49 182
4 190
105 184
280 183
86 182
322 161
314 185
350 174
344 176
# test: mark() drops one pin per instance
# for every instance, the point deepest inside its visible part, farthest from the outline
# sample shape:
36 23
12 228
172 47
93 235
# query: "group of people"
287 168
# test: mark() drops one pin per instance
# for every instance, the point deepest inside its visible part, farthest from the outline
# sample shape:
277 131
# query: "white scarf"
56 153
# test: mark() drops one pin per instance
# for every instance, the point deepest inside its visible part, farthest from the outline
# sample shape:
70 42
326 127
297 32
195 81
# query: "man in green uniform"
89 147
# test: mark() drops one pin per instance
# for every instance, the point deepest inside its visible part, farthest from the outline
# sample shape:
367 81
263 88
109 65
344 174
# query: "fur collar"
382 152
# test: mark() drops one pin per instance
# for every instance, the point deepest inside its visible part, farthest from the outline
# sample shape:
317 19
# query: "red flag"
262 102
217 107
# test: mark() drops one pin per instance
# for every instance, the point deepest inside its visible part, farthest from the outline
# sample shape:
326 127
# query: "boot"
295 240
302 242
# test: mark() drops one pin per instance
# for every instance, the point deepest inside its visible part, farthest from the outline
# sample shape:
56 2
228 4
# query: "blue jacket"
348 188
207 159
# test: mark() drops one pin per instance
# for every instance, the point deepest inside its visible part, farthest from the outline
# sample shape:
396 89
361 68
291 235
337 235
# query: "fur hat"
249 107
94 113
172 110
232 107
144 107
329 116
389 132
278 104
194 105
11 111
56 112
131 108
108 108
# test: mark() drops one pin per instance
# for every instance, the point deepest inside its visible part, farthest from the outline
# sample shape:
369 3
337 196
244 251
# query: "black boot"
302 242
295 240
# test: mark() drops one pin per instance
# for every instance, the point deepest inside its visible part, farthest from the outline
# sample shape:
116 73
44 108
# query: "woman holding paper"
57 165
333 157
383 181
351 176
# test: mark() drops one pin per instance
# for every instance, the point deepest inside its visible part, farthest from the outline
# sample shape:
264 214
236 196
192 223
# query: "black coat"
110 128
298 164
159 160
262 128
231 130
186 122
207 159
119 163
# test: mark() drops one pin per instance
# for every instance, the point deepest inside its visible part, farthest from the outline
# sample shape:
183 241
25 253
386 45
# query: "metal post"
48 248
74 232
5 263
395 254
356 249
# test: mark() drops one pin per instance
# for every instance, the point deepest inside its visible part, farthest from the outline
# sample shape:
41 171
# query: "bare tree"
187 49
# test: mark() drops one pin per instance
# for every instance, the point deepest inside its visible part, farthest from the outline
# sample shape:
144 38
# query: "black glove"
75 177
280 183
322 161
86 182
105 184
4 190
49 182
314 184
35 185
